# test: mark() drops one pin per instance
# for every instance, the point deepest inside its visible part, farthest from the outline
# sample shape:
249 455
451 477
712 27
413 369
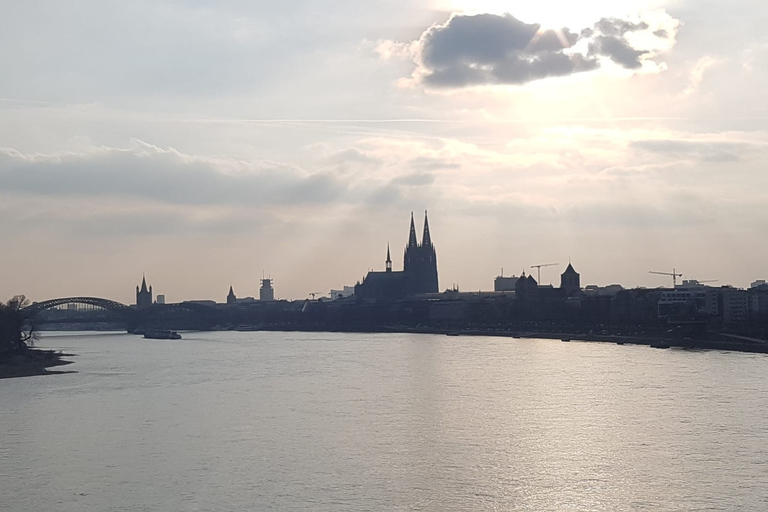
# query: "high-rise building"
504 283
266 292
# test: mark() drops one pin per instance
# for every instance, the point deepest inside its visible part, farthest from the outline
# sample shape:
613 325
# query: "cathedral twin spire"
412 241
426 239
419 274
420 261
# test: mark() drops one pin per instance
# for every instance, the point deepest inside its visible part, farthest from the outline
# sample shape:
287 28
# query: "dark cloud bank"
165 175
491 49
168 176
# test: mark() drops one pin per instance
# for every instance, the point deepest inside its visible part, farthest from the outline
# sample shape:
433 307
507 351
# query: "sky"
209 144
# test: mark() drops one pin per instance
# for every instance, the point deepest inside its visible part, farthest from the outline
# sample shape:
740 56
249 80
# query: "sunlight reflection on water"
303 421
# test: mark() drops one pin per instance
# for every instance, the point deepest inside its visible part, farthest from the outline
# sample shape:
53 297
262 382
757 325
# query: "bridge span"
107 304
96 310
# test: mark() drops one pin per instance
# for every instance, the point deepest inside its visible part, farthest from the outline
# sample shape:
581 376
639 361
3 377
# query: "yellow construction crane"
674 275
538 269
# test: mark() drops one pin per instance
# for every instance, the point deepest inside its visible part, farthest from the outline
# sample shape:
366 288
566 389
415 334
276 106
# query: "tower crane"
674 275
538 269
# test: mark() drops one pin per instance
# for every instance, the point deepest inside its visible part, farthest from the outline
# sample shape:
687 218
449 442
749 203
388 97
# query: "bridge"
106 304
95 310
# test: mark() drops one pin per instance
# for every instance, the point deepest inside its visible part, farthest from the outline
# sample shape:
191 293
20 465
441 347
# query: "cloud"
700 150
618 50
489 49
344 159
415 180
486 48
165 175
147 189
697 74
112 220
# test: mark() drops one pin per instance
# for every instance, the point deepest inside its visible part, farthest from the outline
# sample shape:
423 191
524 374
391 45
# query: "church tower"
426 239
412 241
430 259
570 281
231 297
143 295
420 261
389 260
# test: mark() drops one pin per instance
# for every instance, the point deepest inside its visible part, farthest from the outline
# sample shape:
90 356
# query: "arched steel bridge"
107 304
134 317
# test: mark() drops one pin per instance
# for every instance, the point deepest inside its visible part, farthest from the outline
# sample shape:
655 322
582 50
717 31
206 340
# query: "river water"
324 421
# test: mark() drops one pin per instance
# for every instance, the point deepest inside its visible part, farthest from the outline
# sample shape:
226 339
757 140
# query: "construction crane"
674 275
538 269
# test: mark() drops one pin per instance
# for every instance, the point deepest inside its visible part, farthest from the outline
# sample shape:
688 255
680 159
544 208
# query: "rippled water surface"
303 421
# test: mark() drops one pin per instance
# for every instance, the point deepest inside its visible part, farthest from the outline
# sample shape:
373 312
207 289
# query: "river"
274 421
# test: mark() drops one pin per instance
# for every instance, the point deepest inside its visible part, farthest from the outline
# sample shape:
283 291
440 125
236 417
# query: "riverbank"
710 341
32 362
713 342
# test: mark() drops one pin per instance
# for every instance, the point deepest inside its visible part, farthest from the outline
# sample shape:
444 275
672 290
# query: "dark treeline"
15 333
17 336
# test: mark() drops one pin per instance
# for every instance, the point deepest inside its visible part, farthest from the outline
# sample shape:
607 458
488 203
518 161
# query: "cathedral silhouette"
419 274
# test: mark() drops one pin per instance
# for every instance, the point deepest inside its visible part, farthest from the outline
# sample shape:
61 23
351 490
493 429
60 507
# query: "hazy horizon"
206 146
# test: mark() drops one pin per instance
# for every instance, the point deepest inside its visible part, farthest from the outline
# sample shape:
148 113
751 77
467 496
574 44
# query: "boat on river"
162 335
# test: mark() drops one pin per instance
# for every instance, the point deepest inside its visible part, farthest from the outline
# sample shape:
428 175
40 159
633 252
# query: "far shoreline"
715 341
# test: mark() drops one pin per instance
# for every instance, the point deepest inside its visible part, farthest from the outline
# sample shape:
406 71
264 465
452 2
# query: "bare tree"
16 331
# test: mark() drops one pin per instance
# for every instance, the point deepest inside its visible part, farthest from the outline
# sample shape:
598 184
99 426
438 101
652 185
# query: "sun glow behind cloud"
475 50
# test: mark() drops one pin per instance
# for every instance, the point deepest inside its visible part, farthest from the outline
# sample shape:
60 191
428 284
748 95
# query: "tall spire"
412 241
231 297
389 260
426 240
143 295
